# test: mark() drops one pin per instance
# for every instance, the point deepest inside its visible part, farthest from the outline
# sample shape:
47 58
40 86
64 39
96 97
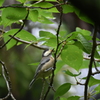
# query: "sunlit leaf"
59 65
51 42
33 14
75 98
72 56
62 90
43 19
62 98
93 81
46 34
46 5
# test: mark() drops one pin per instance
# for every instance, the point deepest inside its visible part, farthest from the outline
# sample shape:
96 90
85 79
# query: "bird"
45 67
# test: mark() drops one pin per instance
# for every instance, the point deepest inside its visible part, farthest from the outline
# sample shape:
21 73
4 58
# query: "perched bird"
45 67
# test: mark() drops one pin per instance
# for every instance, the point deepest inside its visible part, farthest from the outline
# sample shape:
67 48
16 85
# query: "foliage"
70 47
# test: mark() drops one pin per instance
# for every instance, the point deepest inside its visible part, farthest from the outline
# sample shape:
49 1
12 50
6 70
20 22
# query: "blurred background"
18 59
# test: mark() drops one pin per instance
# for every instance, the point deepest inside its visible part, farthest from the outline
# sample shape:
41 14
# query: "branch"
55 54
87 58
91 63
27 42
17 31
5 74
57 5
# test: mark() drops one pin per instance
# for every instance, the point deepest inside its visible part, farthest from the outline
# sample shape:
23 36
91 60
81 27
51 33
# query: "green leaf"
22 1
43 19
33 15
62 90
46 14
75 98
82 16
85 33
67 9
10 15
97 89
59 65
1 2
51 42
72 56
93 81
11 43
46 34
24 35
86 44
46 5
71 74
62 98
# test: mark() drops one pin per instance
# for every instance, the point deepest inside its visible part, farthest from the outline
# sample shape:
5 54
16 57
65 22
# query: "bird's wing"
37 71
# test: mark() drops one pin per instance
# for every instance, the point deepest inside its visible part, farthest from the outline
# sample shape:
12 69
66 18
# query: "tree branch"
5 74
57 5
55 54
91 63
27 42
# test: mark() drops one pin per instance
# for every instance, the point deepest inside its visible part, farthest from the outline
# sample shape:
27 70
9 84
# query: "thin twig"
87 58
91 63
17 31
8 82
55 55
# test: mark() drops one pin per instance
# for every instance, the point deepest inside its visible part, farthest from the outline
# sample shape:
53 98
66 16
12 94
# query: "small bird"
45 67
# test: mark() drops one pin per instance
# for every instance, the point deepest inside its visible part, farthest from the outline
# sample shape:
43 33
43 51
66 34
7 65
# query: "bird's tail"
31 83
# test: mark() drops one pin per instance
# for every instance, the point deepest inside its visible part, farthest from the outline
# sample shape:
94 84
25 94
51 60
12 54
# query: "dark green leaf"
72 56
82 16
71 74
62 90
67 9
86 44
